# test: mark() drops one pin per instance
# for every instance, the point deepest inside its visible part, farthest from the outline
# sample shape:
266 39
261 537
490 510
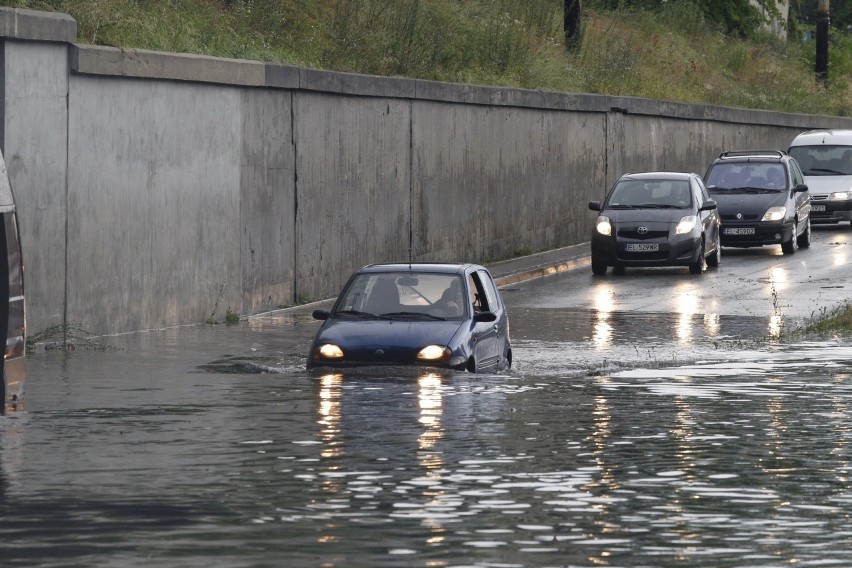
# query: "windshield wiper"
620 206
657 206
413 314
828 171
752 189
356 313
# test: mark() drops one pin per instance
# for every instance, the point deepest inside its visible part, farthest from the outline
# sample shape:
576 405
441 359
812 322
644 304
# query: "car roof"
437 267
659 175
753 156
823 136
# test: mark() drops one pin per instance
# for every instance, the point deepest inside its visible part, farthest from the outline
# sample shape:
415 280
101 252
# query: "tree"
573 21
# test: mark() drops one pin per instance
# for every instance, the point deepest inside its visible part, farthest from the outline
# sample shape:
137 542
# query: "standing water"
212 446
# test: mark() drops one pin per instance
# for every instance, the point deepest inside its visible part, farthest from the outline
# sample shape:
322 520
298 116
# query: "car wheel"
471 365
791 246
598 267
805 238
716 258
699 265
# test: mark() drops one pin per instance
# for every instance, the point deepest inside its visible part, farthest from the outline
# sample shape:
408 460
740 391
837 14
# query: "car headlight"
328 351
604 227
686 225
840 196
775 213
434 353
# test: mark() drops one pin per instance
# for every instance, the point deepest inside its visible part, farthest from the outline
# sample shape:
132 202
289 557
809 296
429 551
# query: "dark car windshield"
419 296
824 160
747 177
650 194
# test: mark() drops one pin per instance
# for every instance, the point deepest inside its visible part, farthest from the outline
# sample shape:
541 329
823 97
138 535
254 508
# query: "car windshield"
650 194
748 177
403 295
824 160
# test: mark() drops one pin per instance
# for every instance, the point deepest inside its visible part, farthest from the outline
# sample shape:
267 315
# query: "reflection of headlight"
686 225
774 213
434 353
603 226
841 196
328 351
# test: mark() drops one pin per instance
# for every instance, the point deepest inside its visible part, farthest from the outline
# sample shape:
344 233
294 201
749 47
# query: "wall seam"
410 180
294 150
67 195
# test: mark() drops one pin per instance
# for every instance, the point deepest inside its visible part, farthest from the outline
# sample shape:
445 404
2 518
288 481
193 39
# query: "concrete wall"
160 189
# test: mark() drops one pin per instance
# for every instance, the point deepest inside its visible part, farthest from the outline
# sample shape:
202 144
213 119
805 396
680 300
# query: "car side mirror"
800 188
320 314
595 205
708 205
484 317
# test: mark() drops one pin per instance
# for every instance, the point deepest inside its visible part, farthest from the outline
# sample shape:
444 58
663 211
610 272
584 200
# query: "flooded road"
646 422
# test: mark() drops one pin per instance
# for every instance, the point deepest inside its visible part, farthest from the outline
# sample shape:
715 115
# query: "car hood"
666 216
747 203
387 333
823 185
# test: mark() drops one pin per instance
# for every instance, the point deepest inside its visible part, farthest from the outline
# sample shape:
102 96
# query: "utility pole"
823 20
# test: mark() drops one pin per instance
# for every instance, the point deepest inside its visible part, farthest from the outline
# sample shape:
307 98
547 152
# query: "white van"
825 157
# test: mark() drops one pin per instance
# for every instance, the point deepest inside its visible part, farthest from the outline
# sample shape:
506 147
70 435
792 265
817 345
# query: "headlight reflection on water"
602 308
330 414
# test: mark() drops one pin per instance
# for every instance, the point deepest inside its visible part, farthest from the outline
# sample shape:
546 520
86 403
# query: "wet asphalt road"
654 418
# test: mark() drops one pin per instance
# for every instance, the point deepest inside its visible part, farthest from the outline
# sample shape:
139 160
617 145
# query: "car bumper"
681 252
390 357
826 211
736 234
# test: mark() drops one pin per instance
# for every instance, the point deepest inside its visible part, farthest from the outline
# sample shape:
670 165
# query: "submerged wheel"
791 246
598 267
716 258
805 238
699 265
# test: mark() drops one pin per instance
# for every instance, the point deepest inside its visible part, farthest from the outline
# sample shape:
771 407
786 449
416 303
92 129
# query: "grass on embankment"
669 54
839 320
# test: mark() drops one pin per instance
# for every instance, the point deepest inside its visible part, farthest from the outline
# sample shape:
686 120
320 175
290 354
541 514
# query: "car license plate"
642 247
739 231
817 207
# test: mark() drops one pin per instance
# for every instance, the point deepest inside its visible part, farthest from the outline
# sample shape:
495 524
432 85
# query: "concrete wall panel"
353 188
267 201
153 231
34 126
176 187
489 181
663 143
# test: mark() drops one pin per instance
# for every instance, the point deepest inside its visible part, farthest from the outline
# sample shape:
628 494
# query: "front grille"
733 217
633 234
650 256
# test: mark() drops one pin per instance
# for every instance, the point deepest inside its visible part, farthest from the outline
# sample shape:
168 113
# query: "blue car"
434 315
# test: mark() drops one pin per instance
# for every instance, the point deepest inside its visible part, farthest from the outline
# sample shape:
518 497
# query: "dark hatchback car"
436 315
656 219
762 199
